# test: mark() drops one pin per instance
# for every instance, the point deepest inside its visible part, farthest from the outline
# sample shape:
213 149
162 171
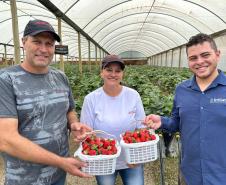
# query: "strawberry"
92 152
96 145
137 136
153 137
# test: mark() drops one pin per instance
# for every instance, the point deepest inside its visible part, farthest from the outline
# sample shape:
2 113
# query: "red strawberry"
153 137
92 152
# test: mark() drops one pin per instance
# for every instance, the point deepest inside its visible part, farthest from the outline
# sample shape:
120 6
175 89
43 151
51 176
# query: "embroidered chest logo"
218 100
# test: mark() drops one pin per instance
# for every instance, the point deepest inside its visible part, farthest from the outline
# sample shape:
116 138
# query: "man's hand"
73 166
153 121
79 130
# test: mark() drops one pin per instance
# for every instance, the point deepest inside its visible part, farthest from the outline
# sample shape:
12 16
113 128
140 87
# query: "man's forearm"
25 149
72 118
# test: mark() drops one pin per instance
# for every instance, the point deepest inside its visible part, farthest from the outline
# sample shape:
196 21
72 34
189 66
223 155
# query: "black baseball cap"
112 59
35 27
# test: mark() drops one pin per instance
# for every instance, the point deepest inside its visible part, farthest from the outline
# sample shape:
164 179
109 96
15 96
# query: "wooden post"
96 55
89 60
60 34
5 55
79 53
15 31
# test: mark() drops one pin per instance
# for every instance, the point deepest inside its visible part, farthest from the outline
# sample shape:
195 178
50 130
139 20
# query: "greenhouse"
149 38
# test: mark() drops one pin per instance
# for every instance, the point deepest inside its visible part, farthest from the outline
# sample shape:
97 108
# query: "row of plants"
156 85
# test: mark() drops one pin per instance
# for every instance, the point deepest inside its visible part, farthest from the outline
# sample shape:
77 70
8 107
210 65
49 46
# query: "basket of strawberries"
100 153
139 146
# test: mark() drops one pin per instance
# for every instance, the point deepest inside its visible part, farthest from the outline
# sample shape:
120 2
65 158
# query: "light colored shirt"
201 119
113 115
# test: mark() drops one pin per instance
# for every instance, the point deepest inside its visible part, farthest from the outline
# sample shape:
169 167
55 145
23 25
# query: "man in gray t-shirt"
36 110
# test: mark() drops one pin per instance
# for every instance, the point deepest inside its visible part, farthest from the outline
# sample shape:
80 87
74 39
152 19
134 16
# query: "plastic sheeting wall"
172 58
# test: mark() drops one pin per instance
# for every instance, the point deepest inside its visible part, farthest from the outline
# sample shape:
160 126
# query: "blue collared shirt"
200 117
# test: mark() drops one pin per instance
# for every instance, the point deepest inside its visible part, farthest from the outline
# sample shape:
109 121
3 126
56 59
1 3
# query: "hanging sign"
61 49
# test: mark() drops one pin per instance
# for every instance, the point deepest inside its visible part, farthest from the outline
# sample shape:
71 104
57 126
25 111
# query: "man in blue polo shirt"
199 114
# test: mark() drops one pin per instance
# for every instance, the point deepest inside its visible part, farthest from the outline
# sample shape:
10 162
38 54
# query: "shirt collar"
221 79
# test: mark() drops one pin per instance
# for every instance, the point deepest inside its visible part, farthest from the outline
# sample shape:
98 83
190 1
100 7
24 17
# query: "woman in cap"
112 108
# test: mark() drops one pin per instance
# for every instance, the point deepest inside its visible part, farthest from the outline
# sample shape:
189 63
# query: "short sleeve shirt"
40 102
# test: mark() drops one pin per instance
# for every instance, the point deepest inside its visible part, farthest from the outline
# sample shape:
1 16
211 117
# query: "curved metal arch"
66 26
66 41
145 23
73 39
92 56
71 6
82 51
140 48
22 2
5 20
28 3
133 39
6 10
139 45
144 54
32 5
27 16
206 9
104 12
134 51
154 6
86 51
119 39
73 51
70 36
84 48
136 30
70 32
139 42
163 7
119 52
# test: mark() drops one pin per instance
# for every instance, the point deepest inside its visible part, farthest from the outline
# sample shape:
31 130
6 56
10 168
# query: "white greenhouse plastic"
138 28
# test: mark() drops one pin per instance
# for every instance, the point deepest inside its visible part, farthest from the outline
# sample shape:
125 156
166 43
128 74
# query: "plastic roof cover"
145 26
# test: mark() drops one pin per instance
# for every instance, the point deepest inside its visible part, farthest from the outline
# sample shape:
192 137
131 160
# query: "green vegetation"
155 85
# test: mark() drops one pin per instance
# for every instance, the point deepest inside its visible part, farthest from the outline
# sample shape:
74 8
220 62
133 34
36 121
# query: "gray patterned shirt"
40 103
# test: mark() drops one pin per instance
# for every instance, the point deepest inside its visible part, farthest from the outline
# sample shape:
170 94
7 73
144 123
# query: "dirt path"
1 171
79 181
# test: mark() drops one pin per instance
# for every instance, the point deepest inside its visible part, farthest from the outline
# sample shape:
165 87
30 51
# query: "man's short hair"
200 38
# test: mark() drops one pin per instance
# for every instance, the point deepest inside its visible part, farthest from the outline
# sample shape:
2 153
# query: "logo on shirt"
218 100
131 112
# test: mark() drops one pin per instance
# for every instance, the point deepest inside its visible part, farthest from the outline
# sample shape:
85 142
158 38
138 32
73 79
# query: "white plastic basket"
99 164
142 152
